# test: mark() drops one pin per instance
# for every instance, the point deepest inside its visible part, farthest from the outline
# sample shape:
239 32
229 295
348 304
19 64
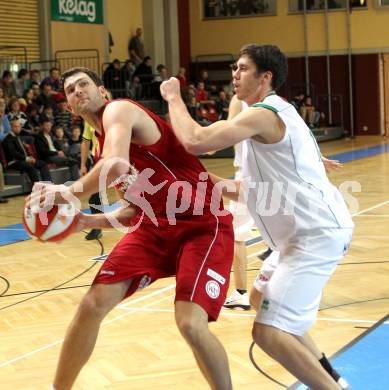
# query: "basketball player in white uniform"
298 211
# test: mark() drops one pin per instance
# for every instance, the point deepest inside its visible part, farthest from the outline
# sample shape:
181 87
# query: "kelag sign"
77 11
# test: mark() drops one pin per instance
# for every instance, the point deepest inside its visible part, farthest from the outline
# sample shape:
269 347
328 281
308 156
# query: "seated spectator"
126 72
20 84
2 200
19 157
6 84
52 80
63 117
222 105
46 97
162 74
61 141
298 101
49 151
47 113
28 96
33 118
144 70
136 90
36 90
111 78
35 77
182 78
5 126
202 95
15 112
75 143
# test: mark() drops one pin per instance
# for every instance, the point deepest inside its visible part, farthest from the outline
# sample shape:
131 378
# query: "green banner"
77 11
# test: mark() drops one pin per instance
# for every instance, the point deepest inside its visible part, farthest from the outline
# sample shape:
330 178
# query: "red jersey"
181 172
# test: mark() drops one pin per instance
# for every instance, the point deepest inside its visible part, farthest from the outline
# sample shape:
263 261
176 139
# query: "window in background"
319 5
225 9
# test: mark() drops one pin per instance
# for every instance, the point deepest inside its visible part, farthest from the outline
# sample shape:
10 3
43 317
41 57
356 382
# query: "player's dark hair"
95 78
268 58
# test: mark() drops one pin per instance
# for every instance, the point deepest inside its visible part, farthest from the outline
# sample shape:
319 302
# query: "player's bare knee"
192 330
93 305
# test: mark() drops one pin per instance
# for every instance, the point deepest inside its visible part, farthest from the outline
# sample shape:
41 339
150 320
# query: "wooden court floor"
139 346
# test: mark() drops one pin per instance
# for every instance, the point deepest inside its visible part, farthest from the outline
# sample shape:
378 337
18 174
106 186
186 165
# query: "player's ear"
103 92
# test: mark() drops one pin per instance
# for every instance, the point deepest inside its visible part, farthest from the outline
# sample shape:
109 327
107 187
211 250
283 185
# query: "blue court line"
360 153
12 236
364 362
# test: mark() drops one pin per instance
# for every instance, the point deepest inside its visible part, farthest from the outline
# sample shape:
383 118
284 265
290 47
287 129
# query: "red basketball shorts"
199 251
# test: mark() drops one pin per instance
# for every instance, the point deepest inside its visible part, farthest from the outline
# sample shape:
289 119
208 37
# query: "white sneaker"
238 301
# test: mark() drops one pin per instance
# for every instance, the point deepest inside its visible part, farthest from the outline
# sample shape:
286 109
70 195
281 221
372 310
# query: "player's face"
248 85
83 95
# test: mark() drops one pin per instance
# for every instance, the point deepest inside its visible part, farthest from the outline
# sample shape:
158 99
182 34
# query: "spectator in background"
19 158
49 151
75 144
35 89
63 117
204 78
182 78
20 84
47 113
33 116
35 77
298 101
7 85
46 97
144 70
14 112
136 49
5 126
52 80
222 105
2 200
126 72
28 96
111 78
61 141
161 74
201 93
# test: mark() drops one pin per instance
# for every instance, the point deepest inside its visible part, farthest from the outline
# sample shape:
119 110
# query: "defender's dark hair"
268 58
96 79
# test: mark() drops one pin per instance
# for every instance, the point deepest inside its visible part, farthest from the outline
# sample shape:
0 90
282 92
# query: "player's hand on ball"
170 89
45 195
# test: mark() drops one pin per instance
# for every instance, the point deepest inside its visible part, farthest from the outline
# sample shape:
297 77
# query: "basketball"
51 226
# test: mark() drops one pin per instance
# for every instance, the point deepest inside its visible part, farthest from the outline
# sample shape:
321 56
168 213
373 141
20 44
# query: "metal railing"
13 58
87 58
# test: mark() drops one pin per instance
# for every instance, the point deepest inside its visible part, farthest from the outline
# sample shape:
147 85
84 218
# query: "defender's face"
248 85
83 95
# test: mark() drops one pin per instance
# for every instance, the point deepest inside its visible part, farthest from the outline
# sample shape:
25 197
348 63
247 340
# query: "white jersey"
238 147
289 194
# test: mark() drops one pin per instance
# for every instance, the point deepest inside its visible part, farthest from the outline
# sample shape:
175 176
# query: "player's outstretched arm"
197 139
122 215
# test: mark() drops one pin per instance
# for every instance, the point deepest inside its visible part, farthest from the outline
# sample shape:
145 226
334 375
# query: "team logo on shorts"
213 289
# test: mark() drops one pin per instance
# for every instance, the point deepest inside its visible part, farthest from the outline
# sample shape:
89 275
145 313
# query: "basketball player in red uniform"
174 231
